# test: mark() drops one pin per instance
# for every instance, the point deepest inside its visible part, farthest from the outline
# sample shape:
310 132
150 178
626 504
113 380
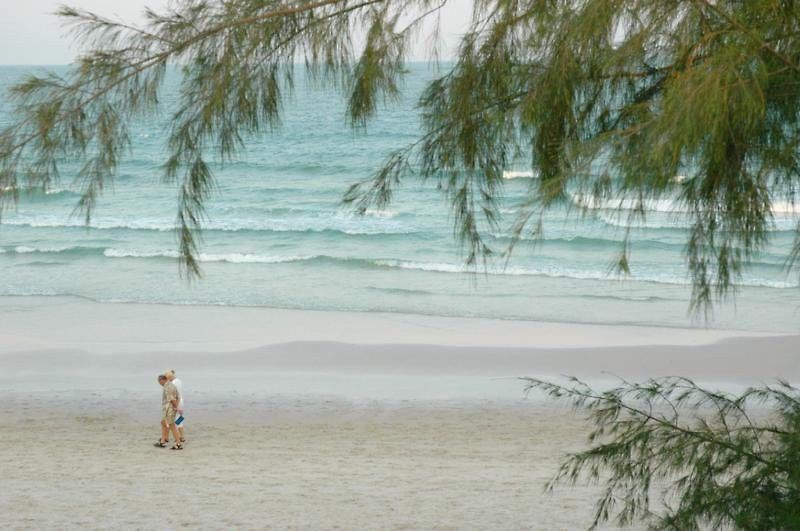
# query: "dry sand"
413 422
307 464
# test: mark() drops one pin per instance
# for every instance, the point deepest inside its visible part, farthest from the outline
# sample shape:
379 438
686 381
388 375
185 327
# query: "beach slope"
315 419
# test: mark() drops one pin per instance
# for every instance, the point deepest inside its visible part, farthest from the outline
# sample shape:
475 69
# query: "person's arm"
173 398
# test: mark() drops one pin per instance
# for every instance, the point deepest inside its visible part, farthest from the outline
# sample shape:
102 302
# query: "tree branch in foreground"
712 459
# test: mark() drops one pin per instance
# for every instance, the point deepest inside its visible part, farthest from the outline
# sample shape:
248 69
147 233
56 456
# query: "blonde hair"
169 372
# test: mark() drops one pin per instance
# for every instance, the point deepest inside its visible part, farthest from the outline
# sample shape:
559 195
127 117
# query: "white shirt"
179 386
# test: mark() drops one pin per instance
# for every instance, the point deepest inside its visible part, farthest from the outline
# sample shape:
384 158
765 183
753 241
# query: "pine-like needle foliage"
717 460
612 100
608 100
238 60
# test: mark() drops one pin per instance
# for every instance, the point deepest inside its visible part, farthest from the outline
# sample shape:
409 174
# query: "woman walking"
169 406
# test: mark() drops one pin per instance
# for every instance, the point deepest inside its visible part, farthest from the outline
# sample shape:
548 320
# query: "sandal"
160 444
178 446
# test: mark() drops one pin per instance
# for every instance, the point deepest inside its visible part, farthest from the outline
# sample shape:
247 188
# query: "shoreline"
66 322
735 332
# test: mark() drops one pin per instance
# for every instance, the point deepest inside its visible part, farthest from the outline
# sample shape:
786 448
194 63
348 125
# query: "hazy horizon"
30 35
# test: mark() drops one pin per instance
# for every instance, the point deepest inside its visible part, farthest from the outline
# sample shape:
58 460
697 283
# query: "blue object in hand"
179 420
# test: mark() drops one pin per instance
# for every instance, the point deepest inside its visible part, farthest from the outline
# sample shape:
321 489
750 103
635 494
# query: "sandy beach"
372 238
308 463
315 419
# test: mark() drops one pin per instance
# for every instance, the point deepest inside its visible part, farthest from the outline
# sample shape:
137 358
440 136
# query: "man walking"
169 406
181 420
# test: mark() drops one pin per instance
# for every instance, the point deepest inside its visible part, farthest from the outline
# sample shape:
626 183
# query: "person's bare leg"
180 430
164 432
175 433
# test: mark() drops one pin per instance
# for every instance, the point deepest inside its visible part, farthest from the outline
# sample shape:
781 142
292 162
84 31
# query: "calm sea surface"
277 236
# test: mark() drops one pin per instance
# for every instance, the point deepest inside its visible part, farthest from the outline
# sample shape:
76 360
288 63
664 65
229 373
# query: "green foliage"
717 460
611 100
237 59
608 100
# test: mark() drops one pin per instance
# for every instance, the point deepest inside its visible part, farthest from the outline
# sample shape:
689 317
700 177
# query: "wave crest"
377 226
235 258
519 174
666 205
544 270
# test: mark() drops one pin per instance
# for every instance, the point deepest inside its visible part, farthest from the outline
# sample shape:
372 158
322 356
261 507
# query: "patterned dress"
168 395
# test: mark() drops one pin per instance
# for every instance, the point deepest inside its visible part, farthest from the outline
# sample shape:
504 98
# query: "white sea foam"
621 220
423 266
130 253
666 205
379 213
24 249
664 221
518 174
239 258
441 267
345 226
510 271
236 258
23 190
45 223
651 205
567 273
785 207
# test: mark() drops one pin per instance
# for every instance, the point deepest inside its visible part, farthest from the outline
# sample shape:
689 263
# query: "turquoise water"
277 236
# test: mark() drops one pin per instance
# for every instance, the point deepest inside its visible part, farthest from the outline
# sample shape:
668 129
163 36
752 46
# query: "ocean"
278 236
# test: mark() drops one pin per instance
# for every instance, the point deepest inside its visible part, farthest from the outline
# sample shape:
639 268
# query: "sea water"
277 235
